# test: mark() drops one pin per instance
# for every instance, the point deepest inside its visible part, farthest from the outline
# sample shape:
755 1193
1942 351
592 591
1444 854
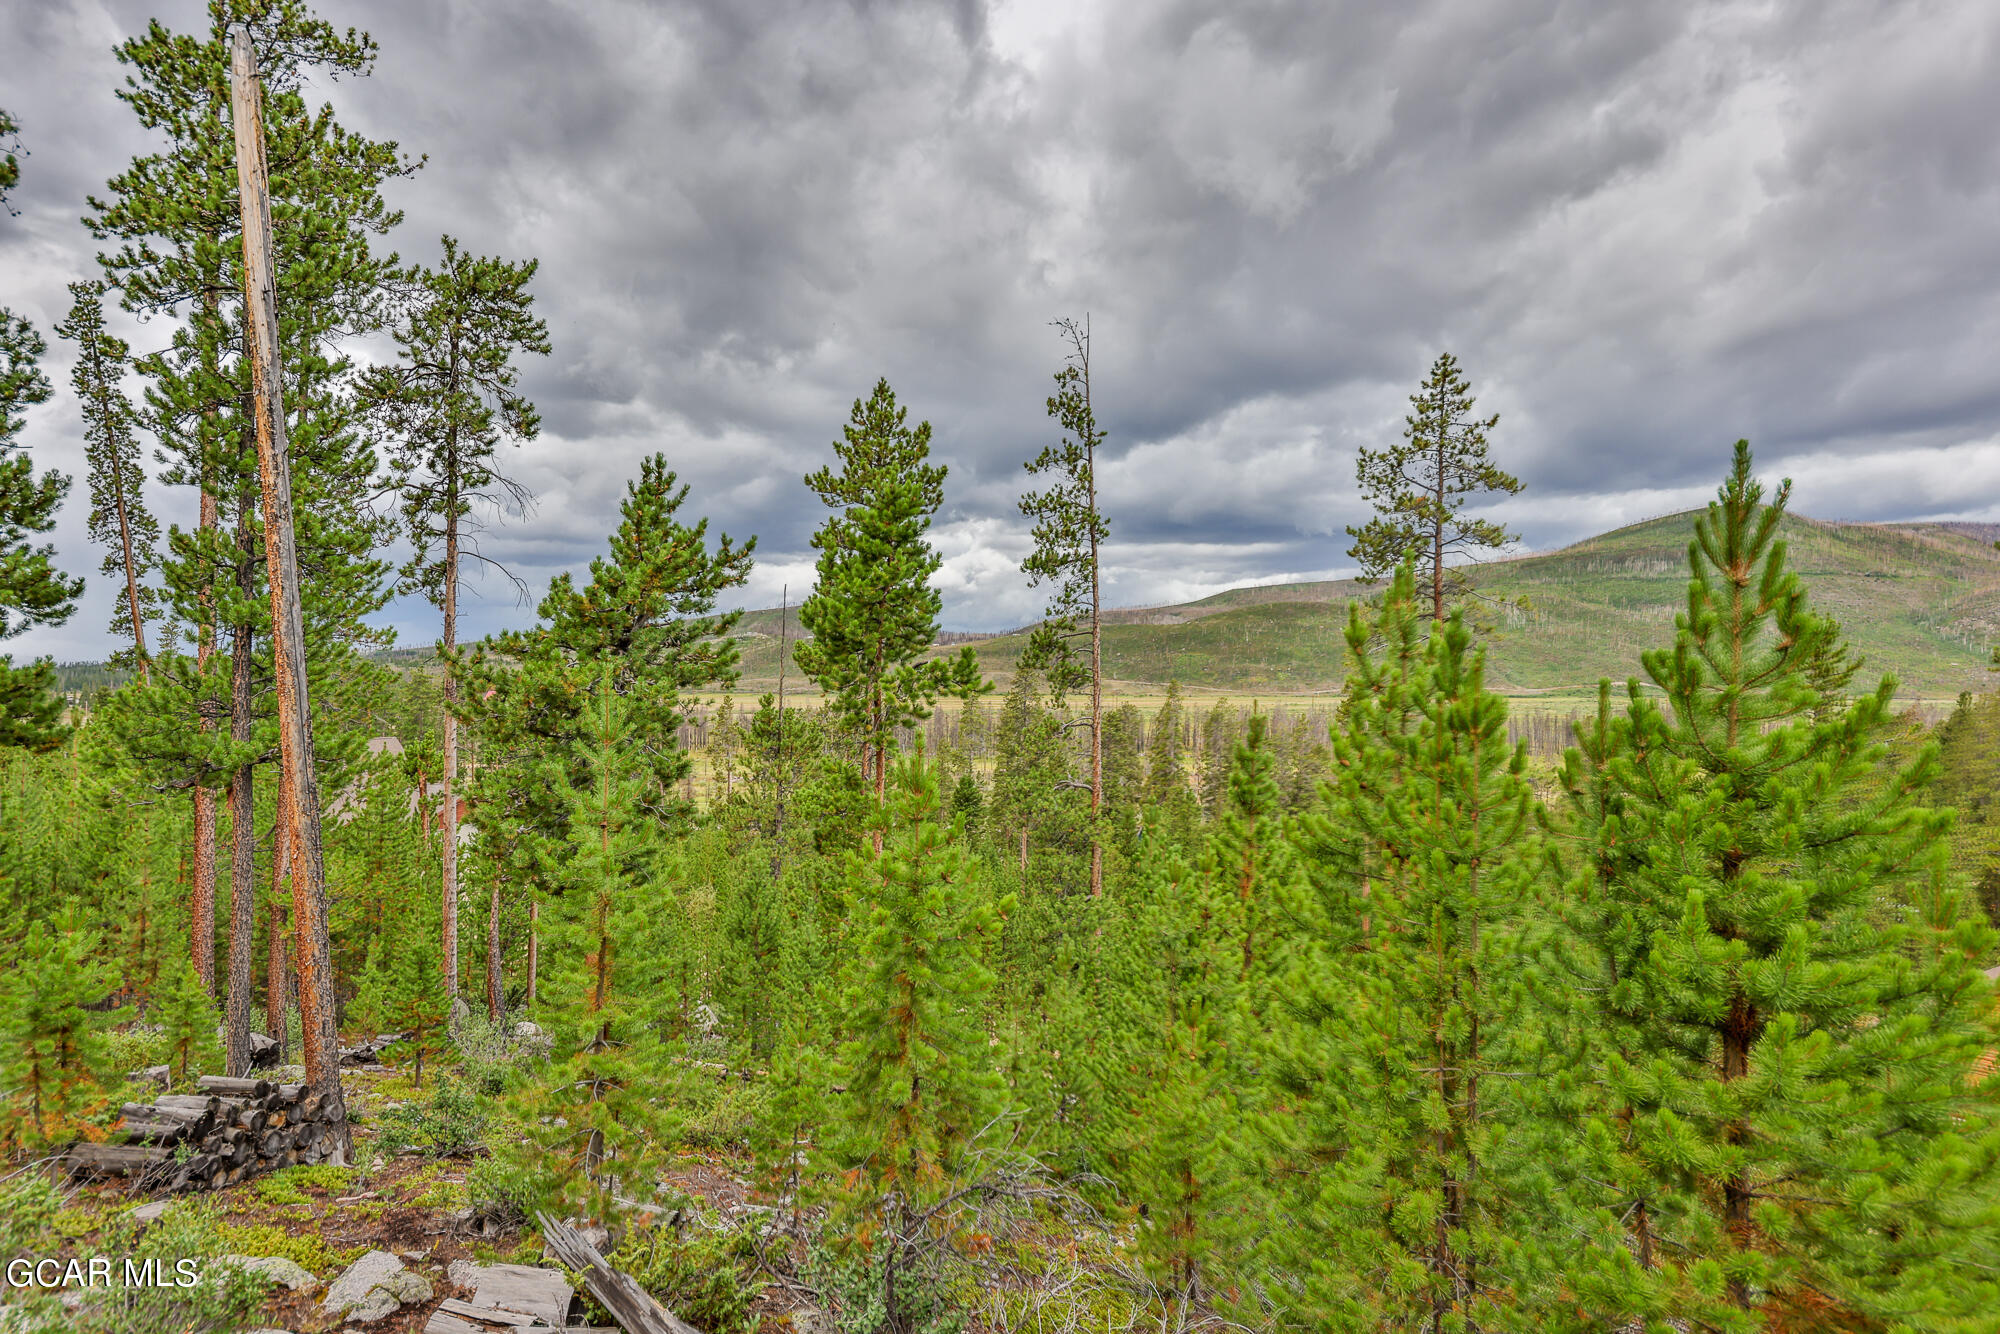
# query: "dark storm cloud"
1645 229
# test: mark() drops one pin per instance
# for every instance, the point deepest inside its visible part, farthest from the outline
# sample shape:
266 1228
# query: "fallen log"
116 1159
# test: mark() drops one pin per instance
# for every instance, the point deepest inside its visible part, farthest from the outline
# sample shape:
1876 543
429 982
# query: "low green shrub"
707 1278
447 1124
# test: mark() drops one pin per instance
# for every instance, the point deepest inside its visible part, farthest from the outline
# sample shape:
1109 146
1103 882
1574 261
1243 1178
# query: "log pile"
235 1128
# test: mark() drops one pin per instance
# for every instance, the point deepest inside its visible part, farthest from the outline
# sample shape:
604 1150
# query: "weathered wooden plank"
490 1317
538 1295
629 1304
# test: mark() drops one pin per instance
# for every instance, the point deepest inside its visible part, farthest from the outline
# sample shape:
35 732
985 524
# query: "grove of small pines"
1060 1016
1680 1034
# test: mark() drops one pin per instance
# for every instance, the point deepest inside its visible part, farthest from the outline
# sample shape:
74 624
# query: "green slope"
1921 601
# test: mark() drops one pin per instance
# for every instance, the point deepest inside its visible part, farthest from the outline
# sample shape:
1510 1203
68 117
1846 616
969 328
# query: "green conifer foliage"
120 520
1788 1133
418 1002
591 1121
1389 1052
186 1016
873 613
54 1056
32 591
1419 489
921 1074
1172 811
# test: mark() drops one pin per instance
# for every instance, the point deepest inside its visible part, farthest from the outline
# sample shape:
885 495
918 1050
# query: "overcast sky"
1645 228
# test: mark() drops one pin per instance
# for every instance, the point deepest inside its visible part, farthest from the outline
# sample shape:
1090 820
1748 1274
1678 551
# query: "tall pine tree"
1419 489
872 614
1788 1130
1069 530
448 401
120 519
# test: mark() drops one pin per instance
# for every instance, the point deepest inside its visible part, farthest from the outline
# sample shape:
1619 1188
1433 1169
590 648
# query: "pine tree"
449 400
922 1084
1069 530
120 520
32 591
419 1001
1172 811
175 216
872 613
1419 489
54 1055
1387 1052
186 1016
1788 1131
648 612
1210 950
592 1119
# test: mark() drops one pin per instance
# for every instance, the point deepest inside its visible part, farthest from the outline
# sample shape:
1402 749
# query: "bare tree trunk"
1096 639
534 945
450 813
260 284
1437 539
493 953
242 817
131 575
778 815
201 928
274 924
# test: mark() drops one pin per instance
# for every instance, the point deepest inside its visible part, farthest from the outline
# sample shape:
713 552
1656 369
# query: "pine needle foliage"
54 1055
923 1091
872 613
1419 489
1387 1054
1788 1131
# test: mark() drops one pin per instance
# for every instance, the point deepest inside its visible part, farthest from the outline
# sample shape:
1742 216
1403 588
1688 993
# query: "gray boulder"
373 1287
277 1268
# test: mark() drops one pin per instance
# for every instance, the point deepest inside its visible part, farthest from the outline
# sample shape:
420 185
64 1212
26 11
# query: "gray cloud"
1645 229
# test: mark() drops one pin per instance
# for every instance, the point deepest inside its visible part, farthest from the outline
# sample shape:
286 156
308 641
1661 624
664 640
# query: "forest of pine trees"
1357 1016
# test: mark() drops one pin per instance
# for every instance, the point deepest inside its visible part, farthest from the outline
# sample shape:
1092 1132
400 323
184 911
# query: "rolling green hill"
1921 601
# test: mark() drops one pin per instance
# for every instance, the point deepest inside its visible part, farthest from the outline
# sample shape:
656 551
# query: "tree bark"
534 945
274 927
1437 539
449 943
1096 637
131 575
201 929
316 1002
493 953
242 814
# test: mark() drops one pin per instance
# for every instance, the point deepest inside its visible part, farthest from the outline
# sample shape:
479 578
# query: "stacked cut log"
236 1128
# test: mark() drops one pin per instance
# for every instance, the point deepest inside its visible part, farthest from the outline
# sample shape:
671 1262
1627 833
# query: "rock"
460 1272
277 1268
531 1039
373 1287
150 1213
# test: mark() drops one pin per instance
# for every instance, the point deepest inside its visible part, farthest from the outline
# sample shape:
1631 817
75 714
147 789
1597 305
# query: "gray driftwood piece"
634 1310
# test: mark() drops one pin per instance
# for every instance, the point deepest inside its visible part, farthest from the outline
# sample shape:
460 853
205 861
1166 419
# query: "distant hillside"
1921 601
